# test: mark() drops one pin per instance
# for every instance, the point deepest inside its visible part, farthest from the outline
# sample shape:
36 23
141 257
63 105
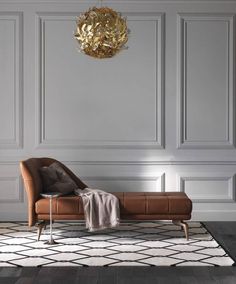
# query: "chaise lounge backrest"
33 184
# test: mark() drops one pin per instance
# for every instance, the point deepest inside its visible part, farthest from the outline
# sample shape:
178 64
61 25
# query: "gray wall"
157 117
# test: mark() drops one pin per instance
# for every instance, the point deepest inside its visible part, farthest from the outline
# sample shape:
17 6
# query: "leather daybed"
175 206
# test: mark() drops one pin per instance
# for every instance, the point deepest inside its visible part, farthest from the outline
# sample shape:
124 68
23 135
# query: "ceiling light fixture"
101 32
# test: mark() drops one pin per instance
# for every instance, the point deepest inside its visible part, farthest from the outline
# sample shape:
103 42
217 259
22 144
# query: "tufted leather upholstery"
133 205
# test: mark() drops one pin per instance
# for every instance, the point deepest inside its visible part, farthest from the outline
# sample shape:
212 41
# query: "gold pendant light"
101 32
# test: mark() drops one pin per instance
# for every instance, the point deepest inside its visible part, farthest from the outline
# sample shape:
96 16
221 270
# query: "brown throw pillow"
49 176
55 179
62 174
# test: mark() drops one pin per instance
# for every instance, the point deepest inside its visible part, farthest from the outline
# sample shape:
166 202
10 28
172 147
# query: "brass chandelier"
101 32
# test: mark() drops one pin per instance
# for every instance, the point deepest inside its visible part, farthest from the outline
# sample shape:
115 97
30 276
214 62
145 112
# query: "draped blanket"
101 209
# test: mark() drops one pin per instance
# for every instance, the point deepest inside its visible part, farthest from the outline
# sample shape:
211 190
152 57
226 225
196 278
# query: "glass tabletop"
50 194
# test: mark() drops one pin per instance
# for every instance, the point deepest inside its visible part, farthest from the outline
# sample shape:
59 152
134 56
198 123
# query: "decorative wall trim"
156 179
18 187
182 141
230 198
152 163
91 2
138 163
17 140
43 142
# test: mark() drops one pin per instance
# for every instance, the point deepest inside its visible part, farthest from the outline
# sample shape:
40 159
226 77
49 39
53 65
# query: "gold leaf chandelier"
101 32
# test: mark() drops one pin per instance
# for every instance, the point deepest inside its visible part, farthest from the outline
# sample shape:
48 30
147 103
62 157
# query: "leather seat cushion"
131 203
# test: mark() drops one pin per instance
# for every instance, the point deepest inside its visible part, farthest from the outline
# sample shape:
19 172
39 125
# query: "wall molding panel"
158 143
11 183
12 91
183 140
210 196
158 181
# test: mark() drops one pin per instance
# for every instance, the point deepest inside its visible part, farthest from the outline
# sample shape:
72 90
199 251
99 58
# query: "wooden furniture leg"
183 225
41 226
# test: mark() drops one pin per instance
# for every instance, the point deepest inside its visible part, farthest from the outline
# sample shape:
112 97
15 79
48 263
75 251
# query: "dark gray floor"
224 232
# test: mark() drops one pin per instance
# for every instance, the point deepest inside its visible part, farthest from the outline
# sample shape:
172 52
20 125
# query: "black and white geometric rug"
158 243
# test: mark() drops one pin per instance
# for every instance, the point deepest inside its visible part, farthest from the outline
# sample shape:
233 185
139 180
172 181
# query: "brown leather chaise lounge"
175 206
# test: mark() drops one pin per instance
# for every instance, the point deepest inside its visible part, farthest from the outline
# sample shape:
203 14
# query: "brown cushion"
62 205
151 203
55 179
49 176
136 205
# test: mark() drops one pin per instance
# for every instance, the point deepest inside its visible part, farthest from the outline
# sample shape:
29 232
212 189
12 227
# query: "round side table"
51 195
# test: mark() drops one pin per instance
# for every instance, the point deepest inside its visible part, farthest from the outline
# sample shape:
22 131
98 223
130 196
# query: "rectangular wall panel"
208 189
11 80
10 190
206 88
13 204
127 184
108 104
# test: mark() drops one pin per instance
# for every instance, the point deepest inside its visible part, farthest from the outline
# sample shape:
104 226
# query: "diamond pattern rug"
134 243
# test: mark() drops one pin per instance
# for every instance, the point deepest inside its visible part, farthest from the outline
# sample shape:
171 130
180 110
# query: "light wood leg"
42 225
183 225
